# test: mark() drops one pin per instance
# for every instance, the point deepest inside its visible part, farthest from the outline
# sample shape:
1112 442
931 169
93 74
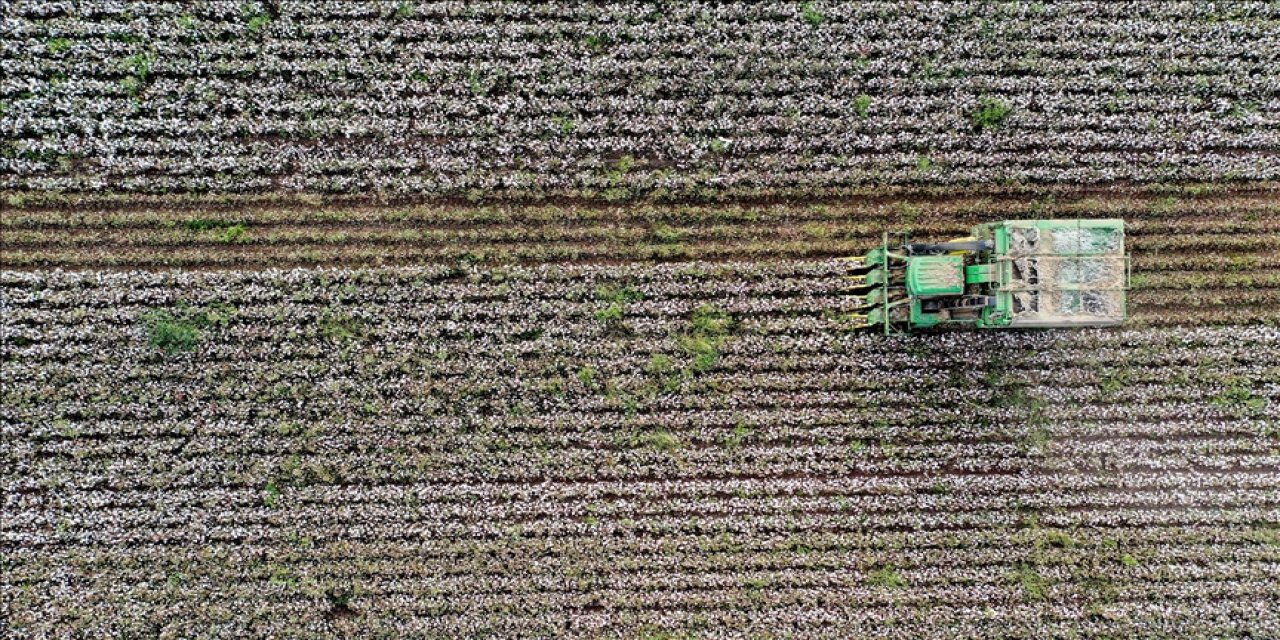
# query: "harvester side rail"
884 284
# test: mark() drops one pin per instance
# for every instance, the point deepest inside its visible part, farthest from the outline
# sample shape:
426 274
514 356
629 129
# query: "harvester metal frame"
889 329
1010 274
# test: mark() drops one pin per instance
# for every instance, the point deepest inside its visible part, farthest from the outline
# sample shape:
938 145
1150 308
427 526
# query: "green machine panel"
936 276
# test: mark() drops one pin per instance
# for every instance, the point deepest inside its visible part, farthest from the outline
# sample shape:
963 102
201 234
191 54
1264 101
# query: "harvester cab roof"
1010 274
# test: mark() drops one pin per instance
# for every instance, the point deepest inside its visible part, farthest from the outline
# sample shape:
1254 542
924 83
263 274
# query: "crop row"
1155 208
613 101
1222 236
1226 236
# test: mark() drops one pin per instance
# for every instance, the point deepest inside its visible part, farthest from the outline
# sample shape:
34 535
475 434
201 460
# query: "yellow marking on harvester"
964 239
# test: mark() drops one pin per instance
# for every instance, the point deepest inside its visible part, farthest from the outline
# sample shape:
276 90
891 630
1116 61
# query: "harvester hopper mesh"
1023 240
1104 273
1052 272
1093 303
1086 240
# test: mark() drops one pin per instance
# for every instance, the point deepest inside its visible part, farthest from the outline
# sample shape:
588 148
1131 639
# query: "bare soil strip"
1200 255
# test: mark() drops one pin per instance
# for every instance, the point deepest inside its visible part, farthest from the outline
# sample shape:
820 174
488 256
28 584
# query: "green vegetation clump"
811 15
564 124
1058 540
740 433
171 333
620 295
710 322
615 177
270 494
182 330
233 233
131 85
659 365
708 328
990 114
205 224
597 43
1032 583
611 315
862 105
887 577
256 21
139 65
1240 401
659 440
666 234
338 327
703 350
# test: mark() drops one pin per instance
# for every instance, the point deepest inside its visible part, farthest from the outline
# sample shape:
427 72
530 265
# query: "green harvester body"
1006 275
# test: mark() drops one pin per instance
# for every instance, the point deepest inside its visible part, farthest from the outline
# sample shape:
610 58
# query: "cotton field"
611 100
526 320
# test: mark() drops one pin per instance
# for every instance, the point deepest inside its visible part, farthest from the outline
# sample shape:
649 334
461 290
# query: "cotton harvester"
1011 274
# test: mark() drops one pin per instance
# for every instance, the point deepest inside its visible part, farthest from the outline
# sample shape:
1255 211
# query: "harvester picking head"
1011 274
